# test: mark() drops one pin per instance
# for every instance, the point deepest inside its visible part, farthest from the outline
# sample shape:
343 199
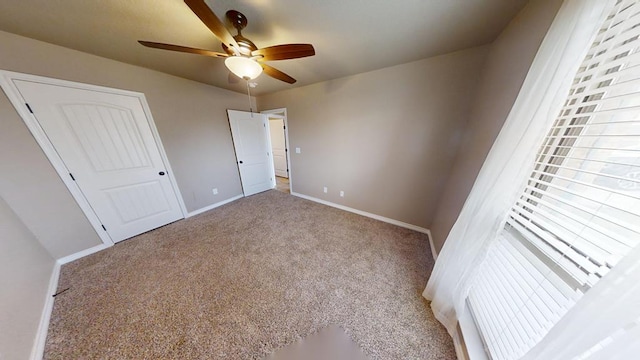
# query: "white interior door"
278 147
106 143
253 151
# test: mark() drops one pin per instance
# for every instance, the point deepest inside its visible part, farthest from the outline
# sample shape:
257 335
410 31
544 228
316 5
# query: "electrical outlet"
325 190
341 193
297 150
215 191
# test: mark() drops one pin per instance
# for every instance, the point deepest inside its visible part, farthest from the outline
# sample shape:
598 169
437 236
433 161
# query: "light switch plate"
297 150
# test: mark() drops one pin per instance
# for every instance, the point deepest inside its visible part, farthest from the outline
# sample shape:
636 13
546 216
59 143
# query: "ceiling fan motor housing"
246 46
239 22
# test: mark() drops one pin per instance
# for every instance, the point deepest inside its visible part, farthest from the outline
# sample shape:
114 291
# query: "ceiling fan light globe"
242 67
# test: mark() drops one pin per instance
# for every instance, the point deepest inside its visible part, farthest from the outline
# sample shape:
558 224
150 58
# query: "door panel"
105 141
133 202
278 146
107 135
251 142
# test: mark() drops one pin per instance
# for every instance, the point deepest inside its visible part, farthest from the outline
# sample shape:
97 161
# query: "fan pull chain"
249 95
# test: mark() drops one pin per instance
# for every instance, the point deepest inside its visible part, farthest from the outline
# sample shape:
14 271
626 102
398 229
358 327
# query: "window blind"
579 213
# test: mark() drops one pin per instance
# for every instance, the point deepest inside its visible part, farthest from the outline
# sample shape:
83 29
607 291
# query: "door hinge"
29 107
104 228
72 178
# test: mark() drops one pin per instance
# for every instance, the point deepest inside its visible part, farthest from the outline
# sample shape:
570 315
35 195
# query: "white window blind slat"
484 310
590 202
551 252
564 213
568 171
595 159
586 184
624 77
596 148
589 260
567 225
497 331
515 328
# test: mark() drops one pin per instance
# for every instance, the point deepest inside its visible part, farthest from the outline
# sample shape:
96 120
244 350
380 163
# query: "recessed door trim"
7 79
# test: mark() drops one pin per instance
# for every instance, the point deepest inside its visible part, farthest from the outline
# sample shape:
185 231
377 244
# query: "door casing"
7 79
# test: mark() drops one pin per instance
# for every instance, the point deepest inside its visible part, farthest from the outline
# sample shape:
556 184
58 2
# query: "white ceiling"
350 36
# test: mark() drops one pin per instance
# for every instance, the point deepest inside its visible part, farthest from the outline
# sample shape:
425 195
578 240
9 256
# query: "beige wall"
190 117
506 67
387 138
30 184
25 270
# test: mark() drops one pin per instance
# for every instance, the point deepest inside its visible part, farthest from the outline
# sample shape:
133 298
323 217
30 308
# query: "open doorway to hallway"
279 137
282 184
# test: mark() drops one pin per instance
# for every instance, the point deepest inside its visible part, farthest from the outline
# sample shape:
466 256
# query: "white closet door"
253 151
106 143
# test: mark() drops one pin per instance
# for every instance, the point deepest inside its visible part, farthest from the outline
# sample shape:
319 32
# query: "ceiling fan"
242 56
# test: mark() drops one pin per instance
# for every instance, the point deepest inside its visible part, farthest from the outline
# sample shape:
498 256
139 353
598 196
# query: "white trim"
39 342
364 213
7 84
80 254
433 247
213 206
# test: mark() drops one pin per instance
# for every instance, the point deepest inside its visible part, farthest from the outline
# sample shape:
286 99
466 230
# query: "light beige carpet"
246 279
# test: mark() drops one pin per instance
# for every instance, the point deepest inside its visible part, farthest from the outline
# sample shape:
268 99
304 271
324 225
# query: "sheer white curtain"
511 158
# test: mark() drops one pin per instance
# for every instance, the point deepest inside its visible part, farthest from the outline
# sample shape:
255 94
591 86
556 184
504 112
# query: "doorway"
279 136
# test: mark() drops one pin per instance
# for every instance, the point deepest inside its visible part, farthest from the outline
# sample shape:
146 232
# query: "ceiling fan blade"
180 48
284 52
209 18
277 74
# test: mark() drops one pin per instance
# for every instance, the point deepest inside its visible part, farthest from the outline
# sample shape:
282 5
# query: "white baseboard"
367 214
213 206
83 253
433 247
37 352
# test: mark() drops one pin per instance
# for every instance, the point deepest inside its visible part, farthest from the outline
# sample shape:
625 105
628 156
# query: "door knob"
161 173
240 162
